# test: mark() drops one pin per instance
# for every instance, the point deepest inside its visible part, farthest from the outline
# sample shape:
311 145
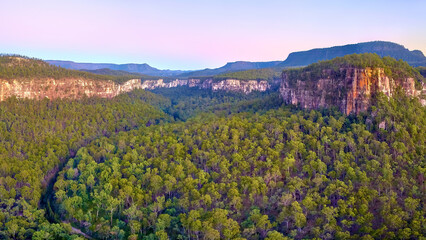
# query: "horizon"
190 35
128 63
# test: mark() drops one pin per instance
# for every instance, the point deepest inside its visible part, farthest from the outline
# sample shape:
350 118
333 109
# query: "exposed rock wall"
152 84
76 88
245 86
350 89
65 88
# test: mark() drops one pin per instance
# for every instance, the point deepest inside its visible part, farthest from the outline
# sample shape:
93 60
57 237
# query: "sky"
198 34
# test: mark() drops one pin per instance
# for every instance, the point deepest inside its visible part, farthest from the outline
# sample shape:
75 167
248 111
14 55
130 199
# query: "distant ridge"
231 67
130 67
107 71
414 58
296 59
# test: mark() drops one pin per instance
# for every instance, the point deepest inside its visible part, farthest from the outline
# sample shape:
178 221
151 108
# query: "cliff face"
244 86
65 88
233 85
76 88
350 89
153 84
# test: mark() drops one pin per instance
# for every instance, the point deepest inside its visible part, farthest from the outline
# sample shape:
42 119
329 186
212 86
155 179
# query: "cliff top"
393 68
16 67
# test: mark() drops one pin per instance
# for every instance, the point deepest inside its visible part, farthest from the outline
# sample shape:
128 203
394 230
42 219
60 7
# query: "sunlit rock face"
64 88
233 85
240 86
74 88
349 89
153 84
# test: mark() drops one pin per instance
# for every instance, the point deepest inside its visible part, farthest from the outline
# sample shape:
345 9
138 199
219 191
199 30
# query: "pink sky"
190 34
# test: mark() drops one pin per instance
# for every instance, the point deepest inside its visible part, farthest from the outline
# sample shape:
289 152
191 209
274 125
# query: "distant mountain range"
297 59
414 58
107 71
130 67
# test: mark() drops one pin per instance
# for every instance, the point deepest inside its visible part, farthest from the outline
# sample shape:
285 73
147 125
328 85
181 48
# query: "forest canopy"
20 67
277 175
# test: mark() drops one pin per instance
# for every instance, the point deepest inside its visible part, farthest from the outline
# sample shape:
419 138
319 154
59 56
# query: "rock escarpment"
350 88
233 85
64 88
153 84
73 88
244 86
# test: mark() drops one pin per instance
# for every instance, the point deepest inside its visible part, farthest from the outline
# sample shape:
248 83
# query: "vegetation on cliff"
15 67
393 68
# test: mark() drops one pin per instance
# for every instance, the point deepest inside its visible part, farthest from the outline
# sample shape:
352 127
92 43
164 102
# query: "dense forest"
195 101
281 174
185 163
36 137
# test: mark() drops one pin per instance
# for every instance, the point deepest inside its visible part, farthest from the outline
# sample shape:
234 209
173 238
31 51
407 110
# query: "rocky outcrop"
234 85
244 86
76 88
153 84
349 89
64 88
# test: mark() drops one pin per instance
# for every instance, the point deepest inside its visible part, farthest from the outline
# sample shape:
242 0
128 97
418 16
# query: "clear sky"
195 34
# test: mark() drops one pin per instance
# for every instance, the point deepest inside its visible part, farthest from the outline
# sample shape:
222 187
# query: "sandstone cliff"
76 88
350 88
64 88
153 84
245 86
